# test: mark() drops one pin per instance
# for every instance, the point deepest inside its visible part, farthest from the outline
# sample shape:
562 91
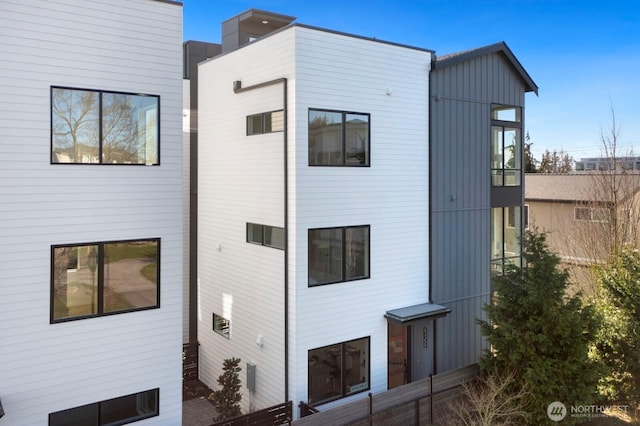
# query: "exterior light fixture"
265 22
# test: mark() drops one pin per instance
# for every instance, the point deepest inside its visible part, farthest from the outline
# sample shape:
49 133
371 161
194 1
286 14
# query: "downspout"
237 88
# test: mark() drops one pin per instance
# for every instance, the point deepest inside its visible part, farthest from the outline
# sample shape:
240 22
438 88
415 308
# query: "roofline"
500 47
391 43
176 3
311 27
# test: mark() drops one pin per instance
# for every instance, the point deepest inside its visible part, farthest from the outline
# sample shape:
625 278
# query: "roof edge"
500 47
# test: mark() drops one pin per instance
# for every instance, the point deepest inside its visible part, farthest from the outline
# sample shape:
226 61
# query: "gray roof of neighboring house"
572 187
501 47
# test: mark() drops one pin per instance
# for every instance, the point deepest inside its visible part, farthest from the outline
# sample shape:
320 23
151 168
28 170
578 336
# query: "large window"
116 411
505 237
506 145
338 370
99 127
338 138
266 122
338 254
265 235
96 279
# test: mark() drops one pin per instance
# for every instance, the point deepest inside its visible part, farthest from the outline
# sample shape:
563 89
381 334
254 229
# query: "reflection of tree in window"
75 126
126 122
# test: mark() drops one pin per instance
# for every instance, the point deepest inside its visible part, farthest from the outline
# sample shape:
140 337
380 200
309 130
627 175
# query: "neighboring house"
90 212
576 211
332 214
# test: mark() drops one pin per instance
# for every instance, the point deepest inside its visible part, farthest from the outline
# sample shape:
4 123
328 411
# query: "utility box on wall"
251 377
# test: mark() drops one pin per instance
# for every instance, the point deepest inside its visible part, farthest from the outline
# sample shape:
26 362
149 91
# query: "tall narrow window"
339 370
338 254
103 278
338 138
505 237
100 127
506 146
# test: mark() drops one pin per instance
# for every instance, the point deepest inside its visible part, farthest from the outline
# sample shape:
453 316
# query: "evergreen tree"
541 334
618 342
227 400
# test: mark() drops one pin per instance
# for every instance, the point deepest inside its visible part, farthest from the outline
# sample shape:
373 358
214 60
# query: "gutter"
237 88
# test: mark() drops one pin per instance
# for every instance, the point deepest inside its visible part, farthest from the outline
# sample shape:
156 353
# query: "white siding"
241 179
125 45
391 83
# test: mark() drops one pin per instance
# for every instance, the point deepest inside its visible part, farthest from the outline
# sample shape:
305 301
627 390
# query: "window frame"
591 213
343 137
262 233
263 116
100 92
505 125
343 258
498 264
344 393
155 393
100 280
221 325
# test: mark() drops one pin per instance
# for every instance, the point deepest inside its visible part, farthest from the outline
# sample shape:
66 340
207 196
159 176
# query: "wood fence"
423 402
190 361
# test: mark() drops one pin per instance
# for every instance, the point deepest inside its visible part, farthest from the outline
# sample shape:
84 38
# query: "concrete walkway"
197 412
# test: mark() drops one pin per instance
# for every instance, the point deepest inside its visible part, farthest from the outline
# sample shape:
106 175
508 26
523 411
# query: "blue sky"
583 55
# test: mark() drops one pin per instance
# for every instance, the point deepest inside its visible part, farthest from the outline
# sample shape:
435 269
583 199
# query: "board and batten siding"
390 82
461 99
130 46
241 180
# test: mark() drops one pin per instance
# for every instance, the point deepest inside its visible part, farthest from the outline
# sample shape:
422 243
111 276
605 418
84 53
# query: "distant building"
607 163
576 211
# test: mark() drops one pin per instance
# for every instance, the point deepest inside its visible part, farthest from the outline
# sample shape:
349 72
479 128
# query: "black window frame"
343 130
343 255
263 120
100 93
343 366
504 125
221 325
64 414
262 233
100 285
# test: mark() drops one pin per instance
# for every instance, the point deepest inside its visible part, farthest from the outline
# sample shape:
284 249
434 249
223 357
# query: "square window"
338 138
338 254
339 370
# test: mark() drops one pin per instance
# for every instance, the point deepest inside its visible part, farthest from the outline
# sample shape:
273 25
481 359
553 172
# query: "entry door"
398 367
422 349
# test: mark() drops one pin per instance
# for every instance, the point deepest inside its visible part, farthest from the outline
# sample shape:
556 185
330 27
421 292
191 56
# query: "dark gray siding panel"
461 98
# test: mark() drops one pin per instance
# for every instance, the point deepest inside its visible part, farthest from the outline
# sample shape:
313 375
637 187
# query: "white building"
90 212
313 211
